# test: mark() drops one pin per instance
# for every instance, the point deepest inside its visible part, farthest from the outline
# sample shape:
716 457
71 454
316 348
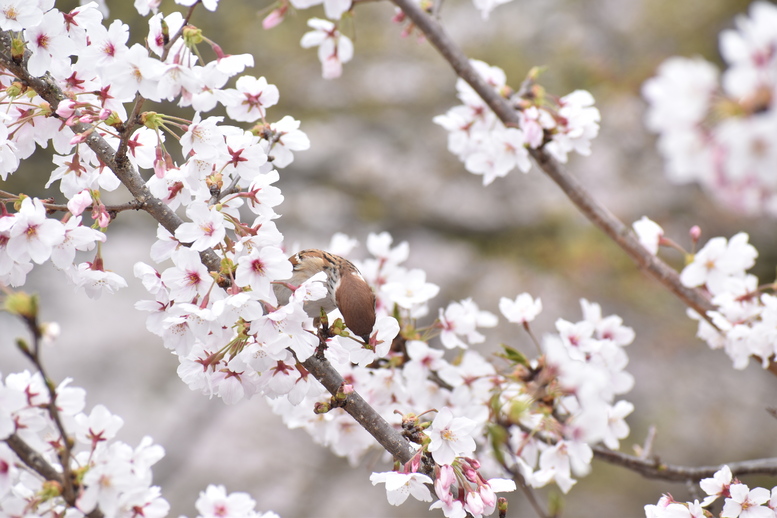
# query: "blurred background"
378 163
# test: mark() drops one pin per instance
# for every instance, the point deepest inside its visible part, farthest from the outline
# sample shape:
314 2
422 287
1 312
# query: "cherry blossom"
451 437
251 99
206 230
33 235
718 261
746 503
188 277
522 310
462 319
15 15
260 267
334 48
649 234
288 137
136 72
401 485
716 486
48 43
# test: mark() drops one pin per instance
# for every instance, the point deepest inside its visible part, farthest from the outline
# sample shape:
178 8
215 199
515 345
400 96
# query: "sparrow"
346 289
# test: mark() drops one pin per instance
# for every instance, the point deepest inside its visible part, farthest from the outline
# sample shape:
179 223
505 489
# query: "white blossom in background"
720 129
480 140
649 233
334 48
522 310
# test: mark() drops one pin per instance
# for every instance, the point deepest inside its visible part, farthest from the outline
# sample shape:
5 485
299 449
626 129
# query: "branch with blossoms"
513 113
214 285
654 468
125 171
56 459
550 140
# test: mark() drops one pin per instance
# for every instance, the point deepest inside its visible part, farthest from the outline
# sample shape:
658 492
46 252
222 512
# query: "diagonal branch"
590 207
322 370
386 435
121 166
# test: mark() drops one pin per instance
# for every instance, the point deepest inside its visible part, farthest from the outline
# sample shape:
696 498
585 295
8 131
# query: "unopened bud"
17 49
501 505
321 407
15 89
695 233
151 120
192 35
22 304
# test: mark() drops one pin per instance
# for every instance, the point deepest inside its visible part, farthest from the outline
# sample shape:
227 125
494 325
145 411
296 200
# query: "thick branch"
356 406
653 468
388 437
593 210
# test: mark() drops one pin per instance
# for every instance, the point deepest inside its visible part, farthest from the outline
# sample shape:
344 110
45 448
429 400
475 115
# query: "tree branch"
386 435
592 209
653 468
322 370
121 166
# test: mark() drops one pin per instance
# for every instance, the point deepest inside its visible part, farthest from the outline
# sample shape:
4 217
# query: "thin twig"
654 468
35 461
65 451
528 492
130 205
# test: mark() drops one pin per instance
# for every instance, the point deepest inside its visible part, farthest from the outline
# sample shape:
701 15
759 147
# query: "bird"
346 289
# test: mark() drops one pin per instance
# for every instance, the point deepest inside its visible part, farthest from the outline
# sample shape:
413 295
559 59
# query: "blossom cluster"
578 376
739 500
489 148
107 74
223 321
460 488
112 476
720 129
744 320
28 237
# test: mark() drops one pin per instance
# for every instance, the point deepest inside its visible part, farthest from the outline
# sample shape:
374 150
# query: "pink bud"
105 219
105 113
446 476
100 215
487 495
159 168
471 474
474 504
79 202
274 18
79 138
695 233
66 108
